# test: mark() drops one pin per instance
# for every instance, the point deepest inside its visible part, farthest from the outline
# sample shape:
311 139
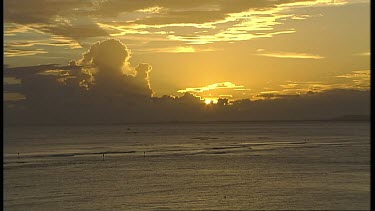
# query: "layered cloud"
291 55
23 52
355 80
364 54
359 79
222 85
177 22
358 74
218 90
54 17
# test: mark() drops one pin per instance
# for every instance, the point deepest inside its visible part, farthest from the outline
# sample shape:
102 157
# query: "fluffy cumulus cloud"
97 81
103 87
108 64
142 74
110 54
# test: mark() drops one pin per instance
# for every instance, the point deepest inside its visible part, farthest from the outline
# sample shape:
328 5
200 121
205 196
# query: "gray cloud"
54 17
193 11
40 11
75 32
273 95
142 74
183 17
95 89
110 54
93 84
82 19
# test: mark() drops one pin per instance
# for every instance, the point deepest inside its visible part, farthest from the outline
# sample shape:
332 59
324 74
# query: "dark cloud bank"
103 88
74 19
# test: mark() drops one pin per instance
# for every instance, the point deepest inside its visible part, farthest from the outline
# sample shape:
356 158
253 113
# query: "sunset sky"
186 104
214 48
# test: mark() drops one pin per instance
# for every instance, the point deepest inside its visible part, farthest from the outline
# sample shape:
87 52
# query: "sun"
210 101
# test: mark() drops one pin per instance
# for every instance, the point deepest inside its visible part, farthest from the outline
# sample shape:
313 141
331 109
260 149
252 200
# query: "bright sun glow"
209 101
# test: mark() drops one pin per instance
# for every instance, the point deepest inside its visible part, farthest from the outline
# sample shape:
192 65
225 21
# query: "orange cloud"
222 85
291 55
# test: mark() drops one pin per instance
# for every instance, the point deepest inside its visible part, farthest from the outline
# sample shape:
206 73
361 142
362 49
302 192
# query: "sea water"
189 166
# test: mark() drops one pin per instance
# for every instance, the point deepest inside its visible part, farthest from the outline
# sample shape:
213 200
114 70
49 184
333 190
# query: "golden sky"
233 49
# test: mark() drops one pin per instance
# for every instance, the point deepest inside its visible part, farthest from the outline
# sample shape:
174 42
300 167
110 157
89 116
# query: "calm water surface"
211 166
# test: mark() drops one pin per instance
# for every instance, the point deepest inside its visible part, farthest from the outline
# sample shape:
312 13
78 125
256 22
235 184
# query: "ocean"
302 165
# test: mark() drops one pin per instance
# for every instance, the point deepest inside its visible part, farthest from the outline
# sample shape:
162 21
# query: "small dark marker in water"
103 156
144 154
18 155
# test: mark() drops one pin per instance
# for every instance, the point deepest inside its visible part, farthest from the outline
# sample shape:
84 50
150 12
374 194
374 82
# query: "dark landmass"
351 118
